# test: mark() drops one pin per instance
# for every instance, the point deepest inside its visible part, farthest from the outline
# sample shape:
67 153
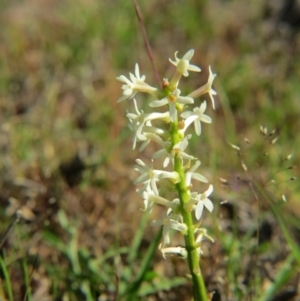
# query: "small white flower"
170 251
168 223
196 116
150 176
190 174
144 192
172 100
207 88
134 85
177 150
137 122
171 205
203 201
202 234
152 136
183 65
164 153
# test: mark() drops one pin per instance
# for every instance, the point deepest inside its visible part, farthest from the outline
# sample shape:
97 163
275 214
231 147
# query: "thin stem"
193 257
146 40
5 235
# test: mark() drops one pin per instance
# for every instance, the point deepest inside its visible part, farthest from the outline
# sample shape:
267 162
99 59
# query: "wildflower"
150 176
144 192
134 85
173 144
172 100
206 89
182 67
177 150
152 136
196 116
202 201
171 205
168 223
190 174
201 236
178 251
138 120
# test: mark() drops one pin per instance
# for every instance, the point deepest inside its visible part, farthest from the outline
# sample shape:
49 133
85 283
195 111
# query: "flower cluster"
168 130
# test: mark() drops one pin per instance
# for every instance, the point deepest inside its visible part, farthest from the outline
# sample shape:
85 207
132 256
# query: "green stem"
199 289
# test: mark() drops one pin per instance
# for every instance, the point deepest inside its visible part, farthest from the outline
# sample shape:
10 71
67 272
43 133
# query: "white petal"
185 100
197 126
209 190
137 70
194 68
173 112
140 162
156 223
186 114
141 179
166 162
205 118
209 205
199 177
199 210
188 55
158 103
160 153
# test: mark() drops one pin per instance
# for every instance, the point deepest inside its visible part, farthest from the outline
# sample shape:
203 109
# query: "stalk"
193 258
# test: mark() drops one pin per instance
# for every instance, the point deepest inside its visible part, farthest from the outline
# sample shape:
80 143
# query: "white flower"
137 122
164 153
168 223
206 88
177 150
196 116
144 192
152 136
134 85
183 65
202 234
202 201
171 205
150 176
172 100
190 174
170 251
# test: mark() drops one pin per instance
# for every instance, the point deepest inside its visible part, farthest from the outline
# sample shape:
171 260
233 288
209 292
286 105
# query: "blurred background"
65 149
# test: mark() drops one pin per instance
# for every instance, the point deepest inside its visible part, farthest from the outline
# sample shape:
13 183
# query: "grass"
63 136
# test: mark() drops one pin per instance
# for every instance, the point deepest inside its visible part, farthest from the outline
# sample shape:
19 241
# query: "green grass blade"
135 286
7 280
139 234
